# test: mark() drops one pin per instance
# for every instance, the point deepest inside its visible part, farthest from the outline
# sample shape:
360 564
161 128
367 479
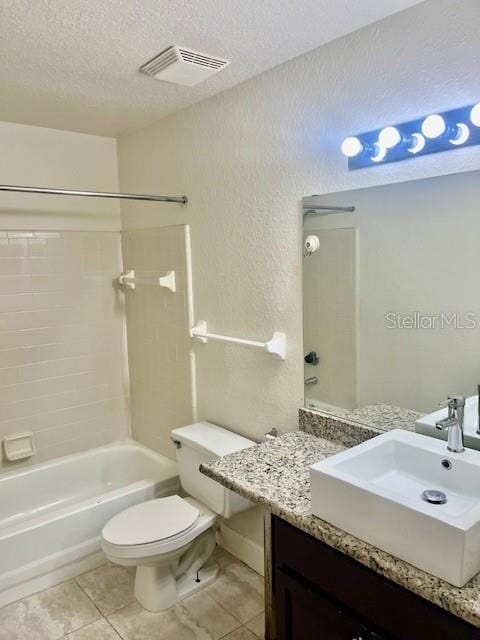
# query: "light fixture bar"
435 132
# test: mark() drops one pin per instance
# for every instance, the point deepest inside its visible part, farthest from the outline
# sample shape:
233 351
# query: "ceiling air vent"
183 66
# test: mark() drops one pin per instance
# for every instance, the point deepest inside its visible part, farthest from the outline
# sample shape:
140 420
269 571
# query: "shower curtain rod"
94 194
314 209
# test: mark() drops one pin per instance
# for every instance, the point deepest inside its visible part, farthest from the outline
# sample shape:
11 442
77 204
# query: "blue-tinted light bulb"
434 126
475 115
389 137
352 147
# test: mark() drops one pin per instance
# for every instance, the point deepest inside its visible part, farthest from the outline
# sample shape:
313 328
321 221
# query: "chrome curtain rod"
93 194
325 208
322 210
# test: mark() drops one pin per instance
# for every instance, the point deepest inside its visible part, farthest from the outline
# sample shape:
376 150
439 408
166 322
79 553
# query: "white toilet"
170 540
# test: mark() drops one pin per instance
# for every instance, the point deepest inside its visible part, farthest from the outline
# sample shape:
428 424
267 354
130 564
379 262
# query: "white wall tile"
63 363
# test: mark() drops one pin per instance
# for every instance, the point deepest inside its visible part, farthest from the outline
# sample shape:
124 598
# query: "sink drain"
434 497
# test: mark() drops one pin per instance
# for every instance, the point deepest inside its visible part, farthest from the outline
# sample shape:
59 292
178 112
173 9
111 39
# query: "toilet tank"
199 443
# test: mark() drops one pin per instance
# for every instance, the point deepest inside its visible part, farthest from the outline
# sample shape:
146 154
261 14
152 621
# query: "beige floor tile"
48 615
222 557
241 634
196 618
110 586
239 590
100 630
257 625
209 614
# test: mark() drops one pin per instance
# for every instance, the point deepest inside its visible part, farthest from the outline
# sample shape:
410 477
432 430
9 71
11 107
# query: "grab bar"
276 346
128 280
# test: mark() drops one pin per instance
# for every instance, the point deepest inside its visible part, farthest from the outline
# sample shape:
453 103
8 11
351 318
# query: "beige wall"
246 157
36 156
157 325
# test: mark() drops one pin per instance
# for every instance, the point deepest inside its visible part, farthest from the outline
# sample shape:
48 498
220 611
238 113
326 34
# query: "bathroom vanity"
321 593
321 581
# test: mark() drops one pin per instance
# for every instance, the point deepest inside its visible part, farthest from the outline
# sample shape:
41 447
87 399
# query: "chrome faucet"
311 380
453 423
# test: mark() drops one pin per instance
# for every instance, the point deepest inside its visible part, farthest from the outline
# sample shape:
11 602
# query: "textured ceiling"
73 64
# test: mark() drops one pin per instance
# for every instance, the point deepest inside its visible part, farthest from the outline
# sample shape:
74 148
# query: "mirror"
391 295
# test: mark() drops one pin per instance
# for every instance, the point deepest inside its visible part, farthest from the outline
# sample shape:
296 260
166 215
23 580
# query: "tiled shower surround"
63 366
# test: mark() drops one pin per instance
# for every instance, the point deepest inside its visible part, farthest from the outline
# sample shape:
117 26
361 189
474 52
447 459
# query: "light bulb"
389 137
475 115
462 134
379 152
434 126
417 143
351 147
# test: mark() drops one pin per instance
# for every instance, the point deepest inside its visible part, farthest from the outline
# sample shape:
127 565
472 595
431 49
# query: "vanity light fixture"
430 134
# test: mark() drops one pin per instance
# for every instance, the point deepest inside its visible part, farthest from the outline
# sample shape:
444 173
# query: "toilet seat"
132 551
150 522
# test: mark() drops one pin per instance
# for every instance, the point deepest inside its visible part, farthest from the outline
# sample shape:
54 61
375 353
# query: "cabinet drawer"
395 611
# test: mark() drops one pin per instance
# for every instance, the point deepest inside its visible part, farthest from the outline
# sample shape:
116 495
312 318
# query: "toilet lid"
150 521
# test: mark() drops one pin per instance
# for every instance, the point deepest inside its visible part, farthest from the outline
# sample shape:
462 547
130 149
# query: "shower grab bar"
128 280
93 194
276 346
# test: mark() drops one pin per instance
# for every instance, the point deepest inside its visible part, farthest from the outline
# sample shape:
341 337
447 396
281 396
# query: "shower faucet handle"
312 358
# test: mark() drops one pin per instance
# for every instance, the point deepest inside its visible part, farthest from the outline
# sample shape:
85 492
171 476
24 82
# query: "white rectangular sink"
426 424
374 491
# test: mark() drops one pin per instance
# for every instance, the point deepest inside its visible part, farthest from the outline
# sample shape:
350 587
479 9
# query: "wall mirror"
391 295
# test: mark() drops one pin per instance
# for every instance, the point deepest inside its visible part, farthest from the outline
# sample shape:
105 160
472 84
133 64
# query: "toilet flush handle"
176 443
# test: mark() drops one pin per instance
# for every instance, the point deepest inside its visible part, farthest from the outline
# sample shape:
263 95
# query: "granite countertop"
384 417
275 475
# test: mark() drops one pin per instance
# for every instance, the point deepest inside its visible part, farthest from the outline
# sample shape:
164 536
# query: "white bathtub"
52 514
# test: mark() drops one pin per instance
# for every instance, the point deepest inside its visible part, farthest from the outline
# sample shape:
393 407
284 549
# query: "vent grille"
198 58
183 66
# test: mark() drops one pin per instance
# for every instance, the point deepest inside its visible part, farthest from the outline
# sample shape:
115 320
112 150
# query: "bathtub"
52 514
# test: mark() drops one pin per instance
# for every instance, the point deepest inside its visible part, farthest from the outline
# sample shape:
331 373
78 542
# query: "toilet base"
156 592
179 574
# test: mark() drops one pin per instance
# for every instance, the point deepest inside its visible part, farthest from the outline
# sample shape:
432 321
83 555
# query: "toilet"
171 540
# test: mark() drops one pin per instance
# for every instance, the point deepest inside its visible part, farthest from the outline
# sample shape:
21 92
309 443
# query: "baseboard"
242 548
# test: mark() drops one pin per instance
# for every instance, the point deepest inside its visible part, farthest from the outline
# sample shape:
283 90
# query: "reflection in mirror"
391 304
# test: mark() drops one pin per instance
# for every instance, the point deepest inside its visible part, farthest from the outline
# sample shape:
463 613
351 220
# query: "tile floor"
99 605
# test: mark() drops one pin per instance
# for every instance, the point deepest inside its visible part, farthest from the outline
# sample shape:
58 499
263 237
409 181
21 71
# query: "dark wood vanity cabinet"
321 594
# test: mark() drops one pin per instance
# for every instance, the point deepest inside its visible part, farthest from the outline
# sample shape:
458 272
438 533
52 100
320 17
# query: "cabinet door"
302 614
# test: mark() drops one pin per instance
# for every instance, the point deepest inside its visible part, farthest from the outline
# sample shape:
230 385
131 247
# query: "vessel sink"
426 424
375 491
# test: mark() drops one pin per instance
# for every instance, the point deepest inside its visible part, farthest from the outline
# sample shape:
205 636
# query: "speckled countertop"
275 474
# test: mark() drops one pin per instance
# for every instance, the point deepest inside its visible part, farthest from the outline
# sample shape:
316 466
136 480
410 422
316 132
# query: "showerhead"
311 245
